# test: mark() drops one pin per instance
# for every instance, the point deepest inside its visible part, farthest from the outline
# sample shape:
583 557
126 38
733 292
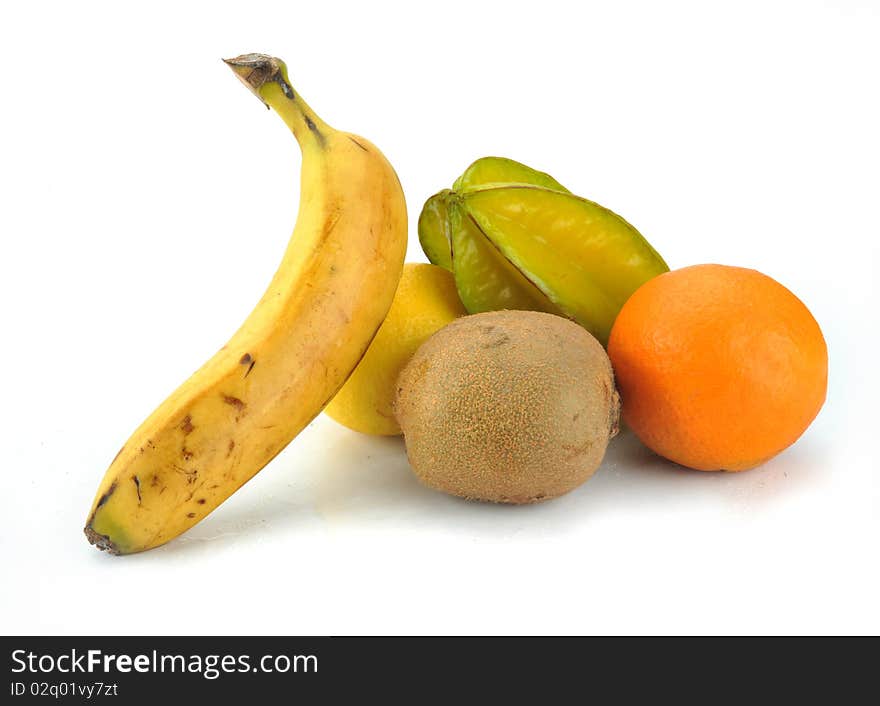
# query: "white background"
146 198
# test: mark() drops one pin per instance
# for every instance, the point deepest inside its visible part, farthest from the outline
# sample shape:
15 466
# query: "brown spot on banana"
186 425
106 496
101 541
191 475
247 360
235 402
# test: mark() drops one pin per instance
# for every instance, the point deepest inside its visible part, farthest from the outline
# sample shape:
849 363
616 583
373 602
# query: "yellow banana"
324 305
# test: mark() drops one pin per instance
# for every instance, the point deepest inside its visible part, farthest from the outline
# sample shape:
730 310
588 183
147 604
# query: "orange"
718 368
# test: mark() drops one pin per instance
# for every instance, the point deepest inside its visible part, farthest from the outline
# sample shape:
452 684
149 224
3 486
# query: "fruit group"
425 302
719 368
290 356
508 406
515 238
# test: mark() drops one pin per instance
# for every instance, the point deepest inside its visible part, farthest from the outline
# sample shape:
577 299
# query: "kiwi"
508 407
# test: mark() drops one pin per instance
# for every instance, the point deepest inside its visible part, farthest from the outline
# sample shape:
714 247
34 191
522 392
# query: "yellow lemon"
426 300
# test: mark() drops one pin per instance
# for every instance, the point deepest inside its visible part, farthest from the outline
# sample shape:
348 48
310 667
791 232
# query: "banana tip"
255 70
100 541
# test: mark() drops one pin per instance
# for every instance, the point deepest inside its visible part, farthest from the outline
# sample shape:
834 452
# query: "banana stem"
266 77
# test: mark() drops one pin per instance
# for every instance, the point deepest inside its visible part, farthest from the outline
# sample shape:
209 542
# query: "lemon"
426 300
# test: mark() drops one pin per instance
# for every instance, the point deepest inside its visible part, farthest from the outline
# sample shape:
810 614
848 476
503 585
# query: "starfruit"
515 238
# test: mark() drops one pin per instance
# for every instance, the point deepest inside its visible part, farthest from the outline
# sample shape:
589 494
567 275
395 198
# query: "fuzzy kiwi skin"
508 407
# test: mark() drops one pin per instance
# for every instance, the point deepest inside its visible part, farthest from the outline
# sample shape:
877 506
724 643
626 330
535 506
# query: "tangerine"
718 367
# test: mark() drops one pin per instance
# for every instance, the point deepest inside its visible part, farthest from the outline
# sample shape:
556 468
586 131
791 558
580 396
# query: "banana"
325 303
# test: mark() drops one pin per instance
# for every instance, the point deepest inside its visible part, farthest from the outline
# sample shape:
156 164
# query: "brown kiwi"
507 406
